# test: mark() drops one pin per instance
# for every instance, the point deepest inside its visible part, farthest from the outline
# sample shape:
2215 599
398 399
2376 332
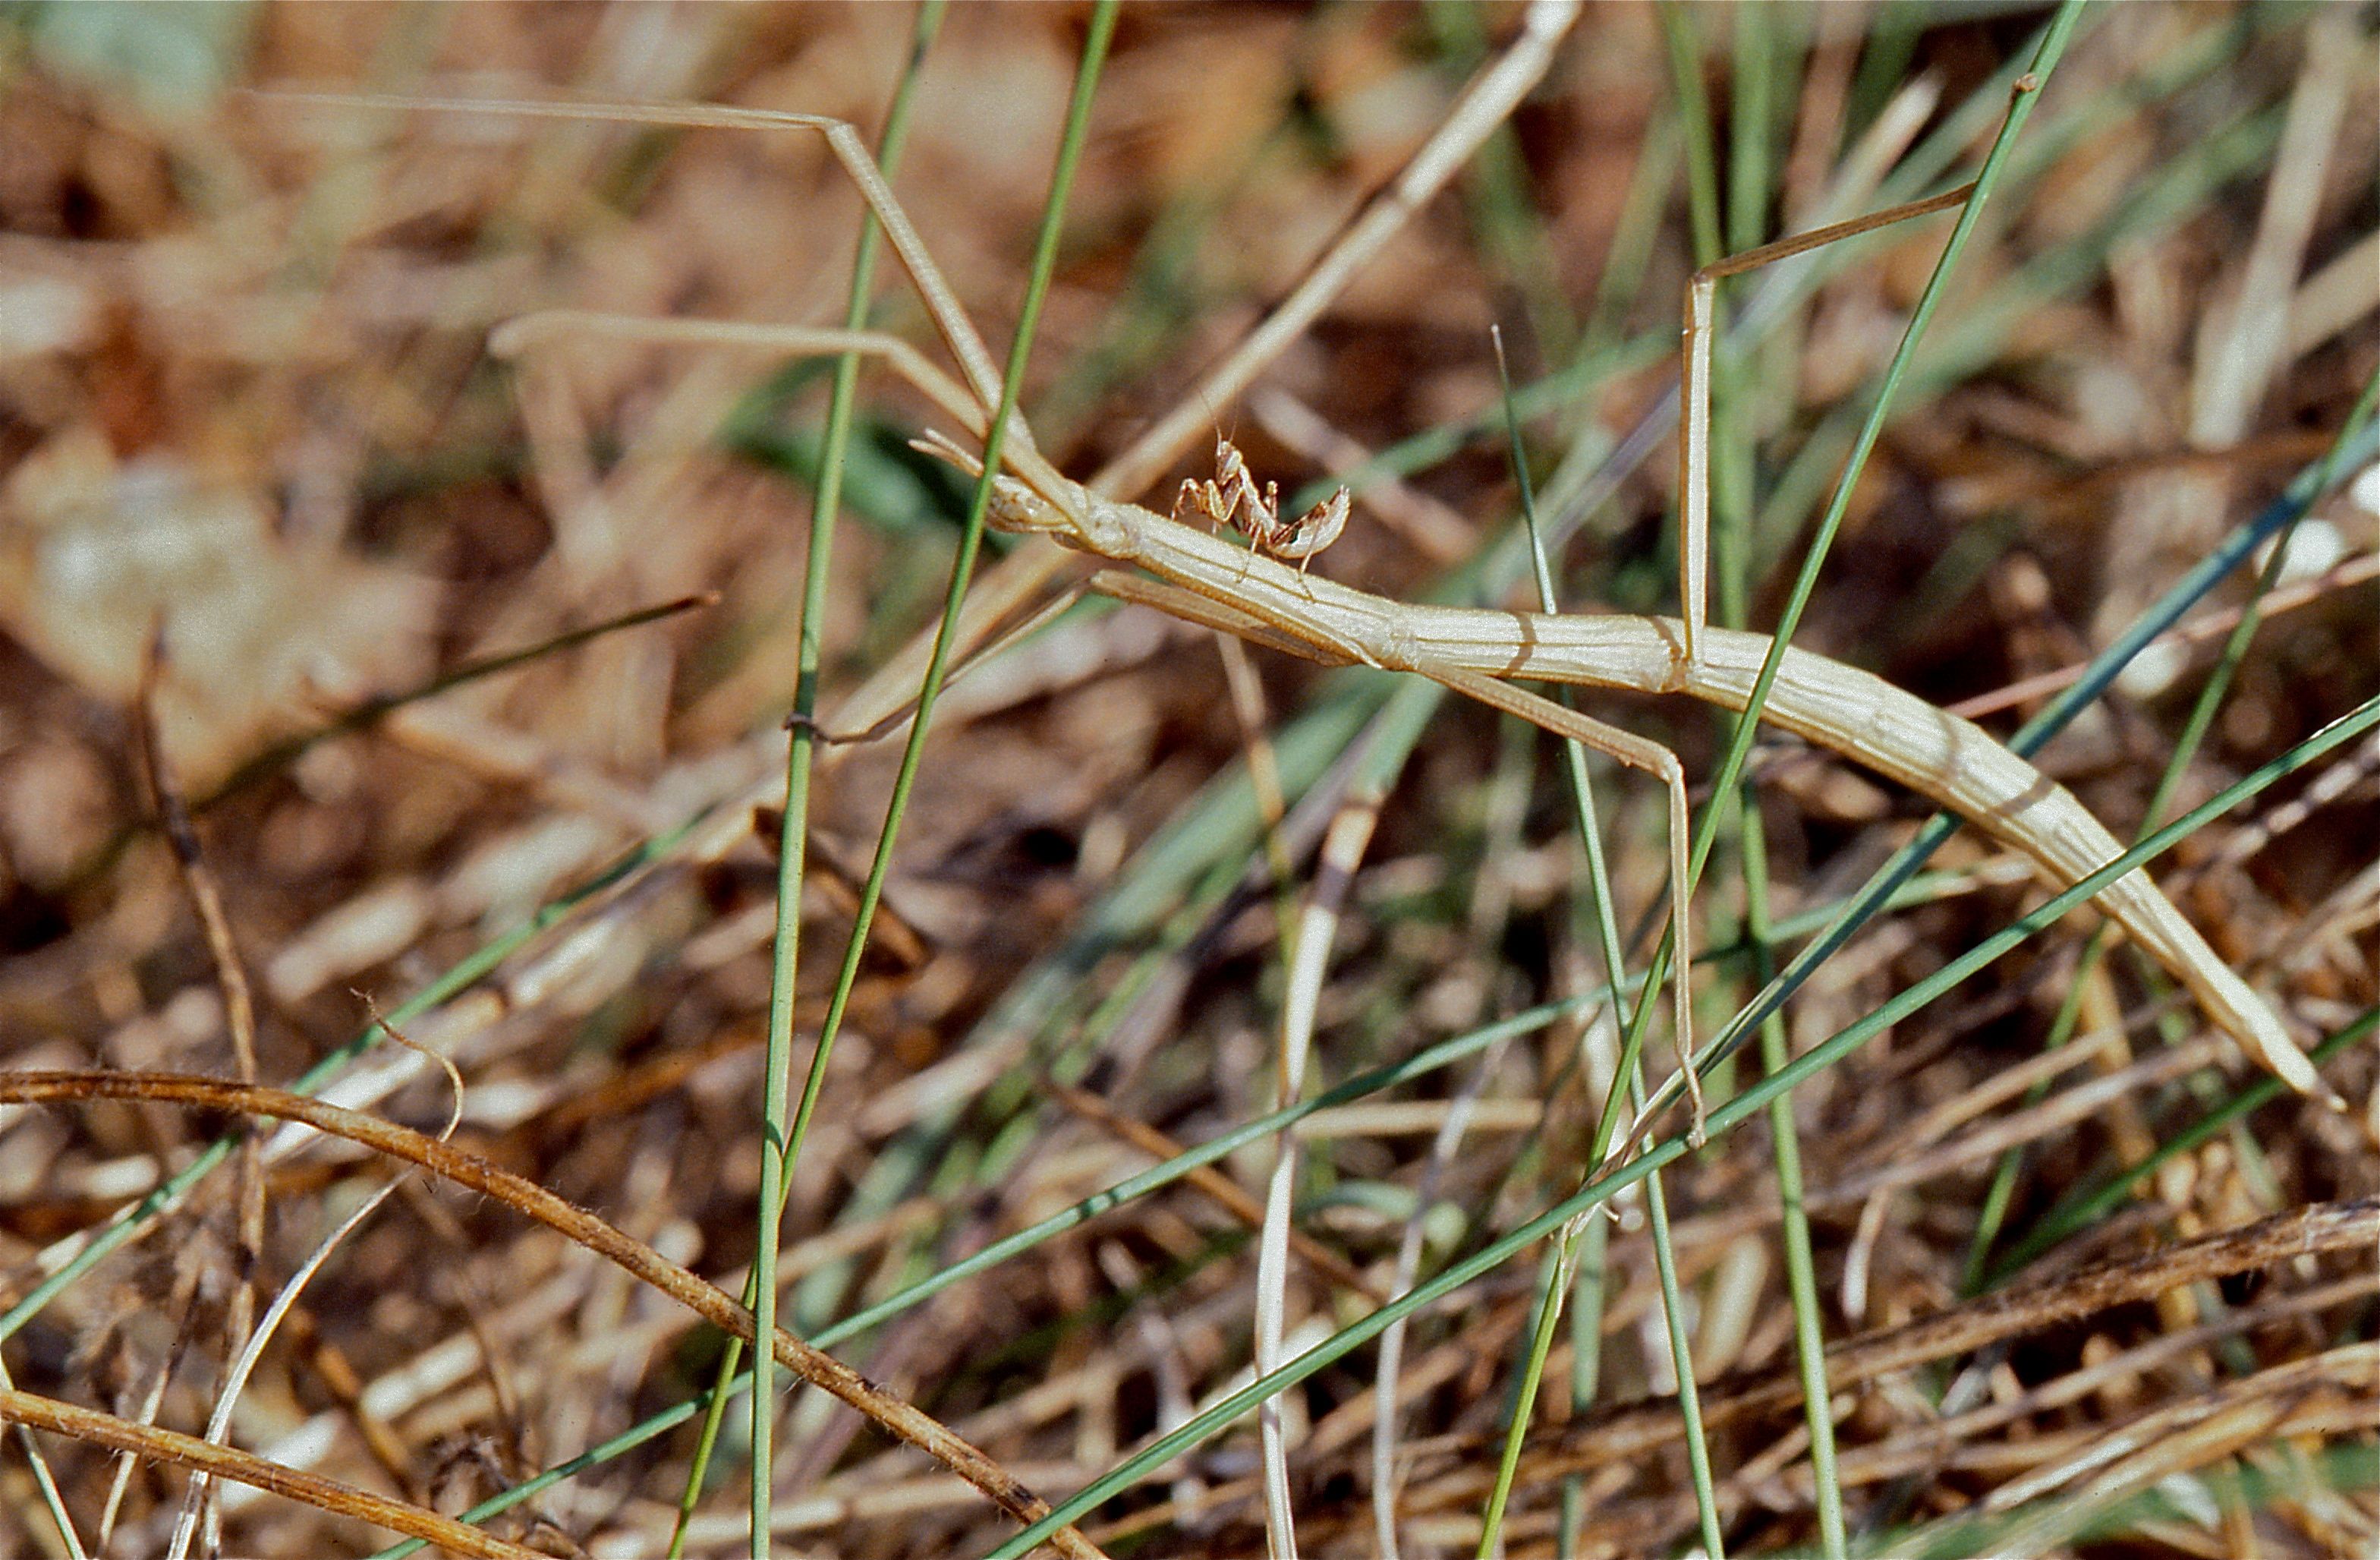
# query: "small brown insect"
1232 496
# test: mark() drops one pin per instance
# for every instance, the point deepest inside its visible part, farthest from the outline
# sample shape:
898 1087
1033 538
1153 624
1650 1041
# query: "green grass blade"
1628 1076
1801 1265
801 755
1684 44
1733 461
1750 112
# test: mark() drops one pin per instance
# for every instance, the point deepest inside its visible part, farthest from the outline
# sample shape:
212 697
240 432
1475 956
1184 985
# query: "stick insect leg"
842 140
1693 388
517 336
1638 753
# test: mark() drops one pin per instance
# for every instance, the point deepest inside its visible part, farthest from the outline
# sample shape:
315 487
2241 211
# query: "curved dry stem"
105 1431
526 1196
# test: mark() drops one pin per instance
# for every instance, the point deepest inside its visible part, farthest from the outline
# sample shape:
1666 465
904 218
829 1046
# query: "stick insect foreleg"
517 336
842 139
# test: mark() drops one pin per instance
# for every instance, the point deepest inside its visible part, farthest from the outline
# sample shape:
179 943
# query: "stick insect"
1481 653
1477 653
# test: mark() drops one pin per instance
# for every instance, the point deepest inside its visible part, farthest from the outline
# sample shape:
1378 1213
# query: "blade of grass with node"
801 755
777 1155
1723 1119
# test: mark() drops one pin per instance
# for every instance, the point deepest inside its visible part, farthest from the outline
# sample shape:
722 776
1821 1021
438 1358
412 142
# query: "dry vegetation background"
246 396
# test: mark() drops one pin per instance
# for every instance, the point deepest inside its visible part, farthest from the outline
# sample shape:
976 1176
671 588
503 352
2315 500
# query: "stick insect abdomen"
1942 756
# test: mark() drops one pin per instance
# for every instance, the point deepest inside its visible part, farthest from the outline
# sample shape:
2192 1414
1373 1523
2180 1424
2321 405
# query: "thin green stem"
776 1158
1541 1343
1628 1076
1749 125
1733 461
1681 1362
1685 52
801 755
1800 1266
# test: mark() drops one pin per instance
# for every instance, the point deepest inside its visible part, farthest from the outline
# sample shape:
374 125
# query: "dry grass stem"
534 1201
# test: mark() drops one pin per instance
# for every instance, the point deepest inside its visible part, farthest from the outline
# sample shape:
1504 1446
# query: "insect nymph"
1232 495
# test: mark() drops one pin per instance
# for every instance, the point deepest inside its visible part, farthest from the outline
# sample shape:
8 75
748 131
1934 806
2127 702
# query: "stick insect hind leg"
1693 388
1693 574
1693 569
1637 752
